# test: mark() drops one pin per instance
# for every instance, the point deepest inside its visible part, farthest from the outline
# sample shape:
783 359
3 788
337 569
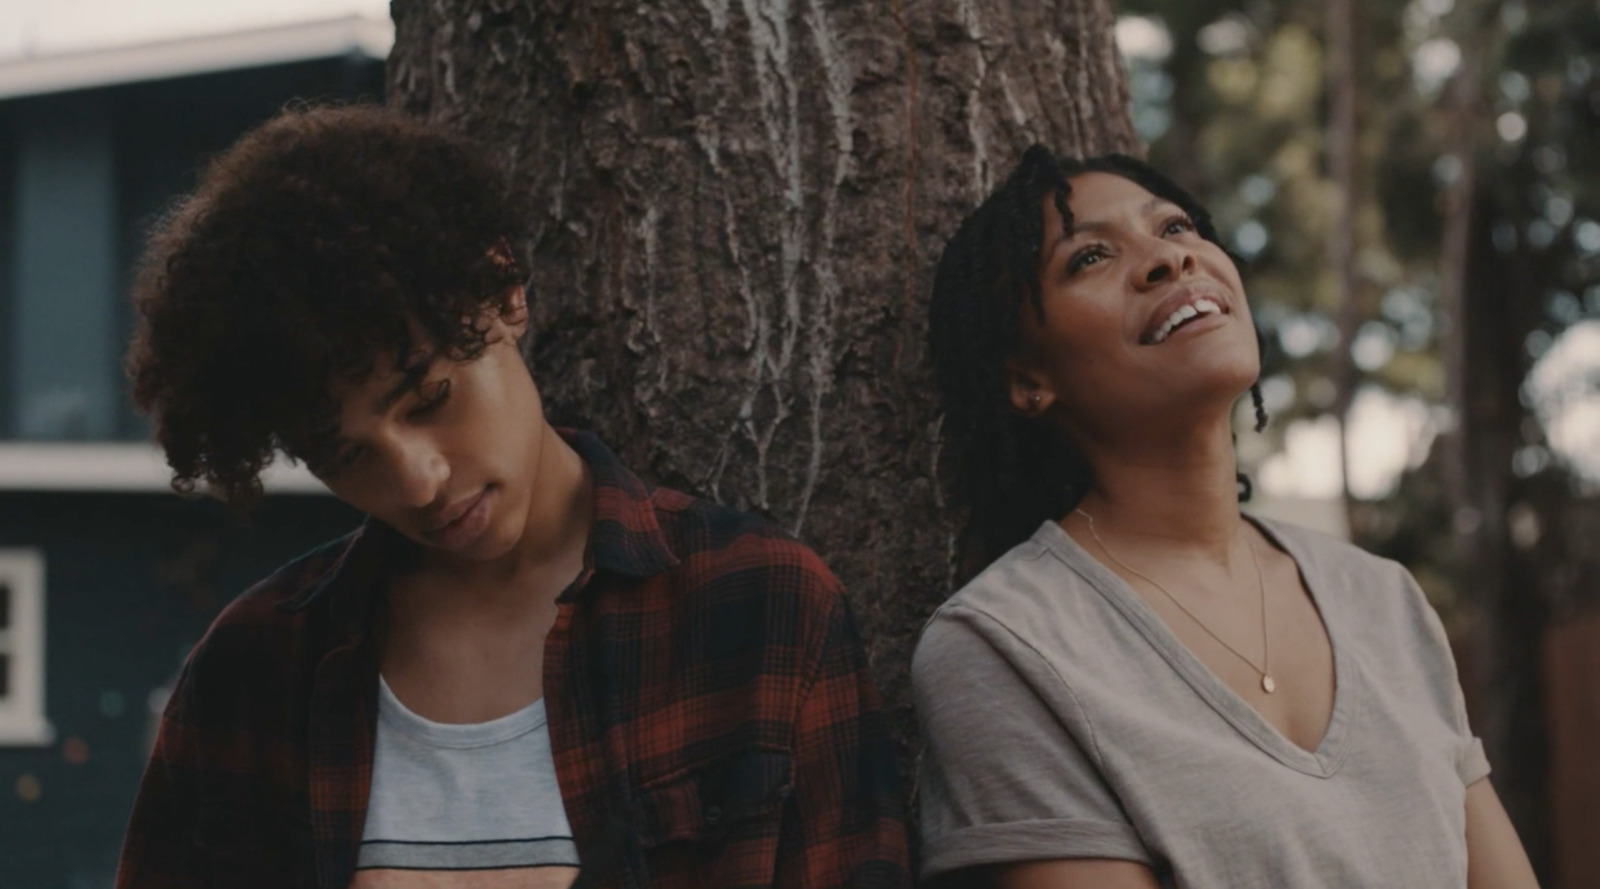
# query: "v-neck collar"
1330 752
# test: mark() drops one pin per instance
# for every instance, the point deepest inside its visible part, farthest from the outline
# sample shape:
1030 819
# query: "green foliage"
1238 110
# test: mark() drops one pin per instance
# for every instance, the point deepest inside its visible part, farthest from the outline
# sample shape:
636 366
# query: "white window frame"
22 718
118 466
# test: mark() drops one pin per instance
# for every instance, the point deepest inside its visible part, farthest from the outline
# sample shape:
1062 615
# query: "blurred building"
107 578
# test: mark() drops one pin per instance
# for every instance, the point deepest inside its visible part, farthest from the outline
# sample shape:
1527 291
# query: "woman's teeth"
1183 313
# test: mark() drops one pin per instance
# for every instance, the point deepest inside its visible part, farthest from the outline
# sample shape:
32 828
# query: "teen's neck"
560 509
464 641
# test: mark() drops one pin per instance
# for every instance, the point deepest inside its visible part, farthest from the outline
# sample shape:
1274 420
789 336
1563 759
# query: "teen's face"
1143 318
449 462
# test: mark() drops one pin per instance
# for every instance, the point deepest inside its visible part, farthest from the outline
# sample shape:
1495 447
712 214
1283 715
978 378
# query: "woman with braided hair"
1146 687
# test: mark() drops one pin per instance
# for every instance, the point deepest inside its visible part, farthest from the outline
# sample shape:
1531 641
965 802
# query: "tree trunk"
738 209
1498 309
1490 301
1341 148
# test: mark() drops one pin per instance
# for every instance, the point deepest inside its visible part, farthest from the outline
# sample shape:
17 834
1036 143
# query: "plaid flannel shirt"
711 711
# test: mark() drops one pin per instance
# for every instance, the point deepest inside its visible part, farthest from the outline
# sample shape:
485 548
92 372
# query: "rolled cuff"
1472 765
1042 840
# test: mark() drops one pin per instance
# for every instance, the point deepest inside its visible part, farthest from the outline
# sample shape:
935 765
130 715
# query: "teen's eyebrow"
409 381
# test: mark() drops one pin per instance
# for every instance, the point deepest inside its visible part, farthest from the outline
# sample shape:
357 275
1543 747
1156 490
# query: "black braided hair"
1015 472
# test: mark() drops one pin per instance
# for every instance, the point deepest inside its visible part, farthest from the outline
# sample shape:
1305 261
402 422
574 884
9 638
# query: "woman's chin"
1231 378
1218 383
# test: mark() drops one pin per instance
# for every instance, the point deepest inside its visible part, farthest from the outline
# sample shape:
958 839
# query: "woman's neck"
1179 491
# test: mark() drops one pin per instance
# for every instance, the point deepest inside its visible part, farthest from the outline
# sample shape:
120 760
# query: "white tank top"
480 800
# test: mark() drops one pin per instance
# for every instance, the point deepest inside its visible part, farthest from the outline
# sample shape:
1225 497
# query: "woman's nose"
1166 260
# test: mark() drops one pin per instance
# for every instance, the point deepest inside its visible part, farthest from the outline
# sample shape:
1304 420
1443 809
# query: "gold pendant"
1267 685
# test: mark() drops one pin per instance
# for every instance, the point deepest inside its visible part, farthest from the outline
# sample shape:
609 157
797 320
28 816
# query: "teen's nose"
420 472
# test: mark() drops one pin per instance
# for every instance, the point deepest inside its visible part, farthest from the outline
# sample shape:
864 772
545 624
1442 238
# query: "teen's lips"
465 520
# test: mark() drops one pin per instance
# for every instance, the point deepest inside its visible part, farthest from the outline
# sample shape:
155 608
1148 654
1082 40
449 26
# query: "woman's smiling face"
1143 319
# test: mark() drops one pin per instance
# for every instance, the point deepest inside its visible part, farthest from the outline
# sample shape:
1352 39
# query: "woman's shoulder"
995 581
1032 575
1347 574
1032 601
987 636
1326 552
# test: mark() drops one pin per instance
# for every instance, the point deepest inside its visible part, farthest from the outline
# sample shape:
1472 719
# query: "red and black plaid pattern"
713 718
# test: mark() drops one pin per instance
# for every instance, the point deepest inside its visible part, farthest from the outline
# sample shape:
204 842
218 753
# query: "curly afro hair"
321 240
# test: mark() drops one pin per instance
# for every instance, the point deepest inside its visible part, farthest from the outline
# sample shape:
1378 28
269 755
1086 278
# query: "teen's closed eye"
433 396
342 462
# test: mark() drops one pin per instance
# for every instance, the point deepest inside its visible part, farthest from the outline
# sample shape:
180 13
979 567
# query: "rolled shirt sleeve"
1438 665
1001 778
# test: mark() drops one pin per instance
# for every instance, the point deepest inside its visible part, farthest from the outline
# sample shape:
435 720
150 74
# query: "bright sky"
49 27
1389 434
1565 385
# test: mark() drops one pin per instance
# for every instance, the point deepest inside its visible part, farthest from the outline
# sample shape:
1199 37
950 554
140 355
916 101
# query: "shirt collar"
626 540
360 560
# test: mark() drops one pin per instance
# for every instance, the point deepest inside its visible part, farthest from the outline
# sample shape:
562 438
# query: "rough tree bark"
737 210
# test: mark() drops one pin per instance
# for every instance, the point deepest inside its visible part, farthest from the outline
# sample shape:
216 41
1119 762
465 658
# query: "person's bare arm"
1075 873
1495 857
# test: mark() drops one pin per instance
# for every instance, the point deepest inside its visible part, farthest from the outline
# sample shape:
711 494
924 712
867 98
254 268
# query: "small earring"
1033 400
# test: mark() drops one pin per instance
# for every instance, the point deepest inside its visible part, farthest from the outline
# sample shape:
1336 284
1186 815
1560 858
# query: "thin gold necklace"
1268 685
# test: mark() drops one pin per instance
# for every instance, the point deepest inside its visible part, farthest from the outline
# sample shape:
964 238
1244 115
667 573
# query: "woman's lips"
1201 304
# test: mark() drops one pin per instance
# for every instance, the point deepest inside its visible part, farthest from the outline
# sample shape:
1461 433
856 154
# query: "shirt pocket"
736 796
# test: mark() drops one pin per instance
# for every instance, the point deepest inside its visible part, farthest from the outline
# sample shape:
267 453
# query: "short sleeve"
1002 777
1444 685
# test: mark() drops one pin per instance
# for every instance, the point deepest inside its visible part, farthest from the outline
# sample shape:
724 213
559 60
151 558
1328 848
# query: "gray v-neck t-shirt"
1064 720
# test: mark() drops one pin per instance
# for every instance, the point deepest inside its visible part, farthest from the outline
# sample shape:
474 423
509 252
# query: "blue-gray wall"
82 174
64 339
132 582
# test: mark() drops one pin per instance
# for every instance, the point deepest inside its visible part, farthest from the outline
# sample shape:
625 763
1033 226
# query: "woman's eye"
1084 258
1178 225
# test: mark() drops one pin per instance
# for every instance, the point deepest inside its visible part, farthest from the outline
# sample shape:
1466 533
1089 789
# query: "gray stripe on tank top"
477 855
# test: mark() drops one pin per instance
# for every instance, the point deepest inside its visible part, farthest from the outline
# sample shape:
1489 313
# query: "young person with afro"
527 666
